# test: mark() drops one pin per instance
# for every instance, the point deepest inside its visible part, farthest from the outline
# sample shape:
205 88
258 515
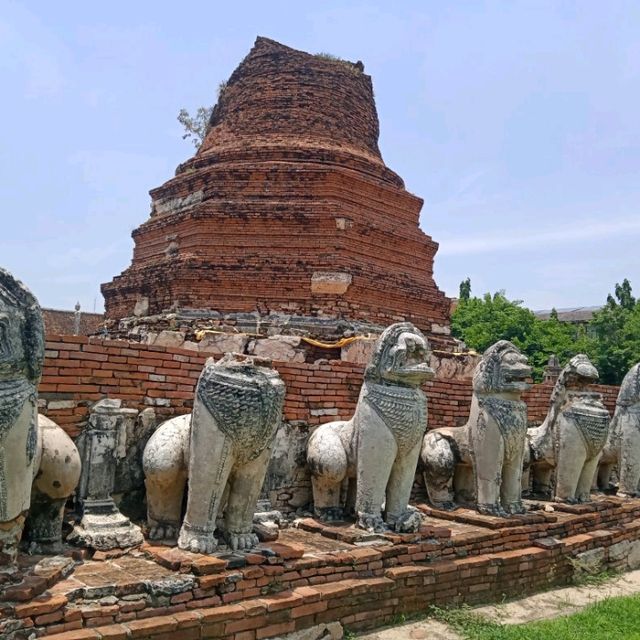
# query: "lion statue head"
401 357
21 331
578 373
503 369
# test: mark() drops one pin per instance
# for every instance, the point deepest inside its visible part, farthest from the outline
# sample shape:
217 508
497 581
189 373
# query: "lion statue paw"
330 514
197 542
409 522
516 509
241 540
163 531
492 510
373 523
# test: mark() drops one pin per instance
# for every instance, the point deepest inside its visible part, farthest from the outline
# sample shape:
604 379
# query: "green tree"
623 295
482 321
197 126
465 290
552 336
616 327
611 340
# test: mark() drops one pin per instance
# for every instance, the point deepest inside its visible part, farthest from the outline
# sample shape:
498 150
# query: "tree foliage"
478 321
195 127
611 338
465 290
617 334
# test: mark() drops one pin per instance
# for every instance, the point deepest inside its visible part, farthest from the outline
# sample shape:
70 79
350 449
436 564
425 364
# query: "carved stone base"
103 527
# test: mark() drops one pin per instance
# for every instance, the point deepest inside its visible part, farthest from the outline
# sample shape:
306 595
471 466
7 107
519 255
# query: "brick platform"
309 577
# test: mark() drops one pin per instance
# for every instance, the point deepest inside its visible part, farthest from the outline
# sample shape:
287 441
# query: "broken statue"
39 465
223 450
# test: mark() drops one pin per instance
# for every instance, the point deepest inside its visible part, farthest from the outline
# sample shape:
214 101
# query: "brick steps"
363 603
465 563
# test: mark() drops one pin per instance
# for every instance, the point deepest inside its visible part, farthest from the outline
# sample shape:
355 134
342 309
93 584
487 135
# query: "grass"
349 66
611 619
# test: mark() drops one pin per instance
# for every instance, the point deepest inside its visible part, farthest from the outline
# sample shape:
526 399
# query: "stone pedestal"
103 526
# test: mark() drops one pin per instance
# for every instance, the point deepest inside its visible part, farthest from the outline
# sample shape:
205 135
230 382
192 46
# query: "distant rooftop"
576 314
62 322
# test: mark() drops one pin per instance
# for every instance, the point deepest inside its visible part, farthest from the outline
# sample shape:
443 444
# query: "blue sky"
517 122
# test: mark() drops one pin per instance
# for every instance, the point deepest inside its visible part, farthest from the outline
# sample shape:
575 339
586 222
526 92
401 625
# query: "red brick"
142 628
275 630
225 612
79 634
40 605
282 601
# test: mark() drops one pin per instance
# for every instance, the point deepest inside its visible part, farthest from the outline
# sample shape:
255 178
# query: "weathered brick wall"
79 371
288 183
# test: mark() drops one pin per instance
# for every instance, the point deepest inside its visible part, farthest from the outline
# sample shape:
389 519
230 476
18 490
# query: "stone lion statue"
566 447
376 452
622 449
32 472
222 448
481 461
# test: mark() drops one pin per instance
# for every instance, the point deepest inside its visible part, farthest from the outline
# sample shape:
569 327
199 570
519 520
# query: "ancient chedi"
287 207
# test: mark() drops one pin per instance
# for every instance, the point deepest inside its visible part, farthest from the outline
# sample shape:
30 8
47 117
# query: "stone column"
103 526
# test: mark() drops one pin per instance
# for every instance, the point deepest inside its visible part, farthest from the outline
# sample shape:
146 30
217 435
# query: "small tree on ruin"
196 126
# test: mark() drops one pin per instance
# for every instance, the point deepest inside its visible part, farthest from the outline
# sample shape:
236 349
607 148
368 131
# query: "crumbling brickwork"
79 371
286 207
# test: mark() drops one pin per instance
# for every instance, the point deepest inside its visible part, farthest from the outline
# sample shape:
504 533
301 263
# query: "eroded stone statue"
377 450
57 471
481 461
223 449
30 465
623 443
566 447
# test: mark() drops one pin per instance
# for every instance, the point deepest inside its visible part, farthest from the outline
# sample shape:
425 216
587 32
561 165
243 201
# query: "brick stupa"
286 208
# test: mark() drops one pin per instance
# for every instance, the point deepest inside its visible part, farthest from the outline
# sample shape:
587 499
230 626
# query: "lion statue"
481 461
222 449
39 464
376 452
622 449
566 447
